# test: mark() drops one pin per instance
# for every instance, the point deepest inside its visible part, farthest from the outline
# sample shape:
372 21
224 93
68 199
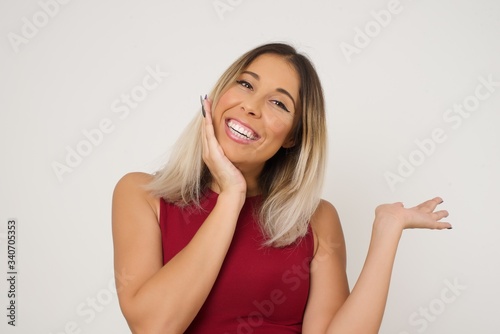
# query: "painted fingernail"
449 228
202 106
206 96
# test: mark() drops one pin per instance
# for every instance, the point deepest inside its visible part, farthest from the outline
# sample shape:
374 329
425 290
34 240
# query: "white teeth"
240 131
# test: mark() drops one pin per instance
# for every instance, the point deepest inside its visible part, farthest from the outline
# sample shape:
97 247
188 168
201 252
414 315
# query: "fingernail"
449 228
202 106
206 96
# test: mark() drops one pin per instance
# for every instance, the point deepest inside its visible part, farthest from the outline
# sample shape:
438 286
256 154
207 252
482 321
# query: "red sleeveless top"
259 289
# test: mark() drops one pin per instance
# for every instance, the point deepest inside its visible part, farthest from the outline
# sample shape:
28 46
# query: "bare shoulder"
325 219
132 187
327 228
134 180
329 286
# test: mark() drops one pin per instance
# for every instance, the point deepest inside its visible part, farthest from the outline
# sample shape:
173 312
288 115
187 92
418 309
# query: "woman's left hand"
423 215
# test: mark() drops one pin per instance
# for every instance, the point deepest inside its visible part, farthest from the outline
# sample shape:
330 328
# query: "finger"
213 149
438 215
430 205
439 225
207 107
209 127
442 226
204 138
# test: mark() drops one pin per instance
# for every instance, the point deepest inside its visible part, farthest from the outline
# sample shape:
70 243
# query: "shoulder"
326 227
134 180
329 284
132 187
325 218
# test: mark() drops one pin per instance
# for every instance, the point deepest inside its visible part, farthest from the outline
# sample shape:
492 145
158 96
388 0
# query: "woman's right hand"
227 177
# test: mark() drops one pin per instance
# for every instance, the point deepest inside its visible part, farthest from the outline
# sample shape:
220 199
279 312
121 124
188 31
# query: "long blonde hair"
291 181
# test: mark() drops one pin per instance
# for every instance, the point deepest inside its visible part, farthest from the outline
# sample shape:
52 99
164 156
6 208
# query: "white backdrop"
91 90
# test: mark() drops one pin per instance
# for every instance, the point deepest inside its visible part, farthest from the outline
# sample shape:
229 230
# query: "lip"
239 139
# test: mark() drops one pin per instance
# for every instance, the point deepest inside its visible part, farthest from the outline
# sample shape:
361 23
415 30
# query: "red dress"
259 289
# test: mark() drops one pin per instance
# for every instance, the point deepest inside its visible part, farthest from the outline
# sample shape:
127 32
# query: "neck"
251 176
253 188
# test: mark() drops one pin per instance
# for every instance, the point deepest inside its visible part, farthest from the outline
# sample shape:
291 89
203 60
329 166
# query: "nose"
252 106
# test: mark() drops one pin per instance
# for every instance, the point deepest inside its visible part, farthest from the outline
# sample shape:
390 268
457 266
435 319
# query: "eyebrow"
281 90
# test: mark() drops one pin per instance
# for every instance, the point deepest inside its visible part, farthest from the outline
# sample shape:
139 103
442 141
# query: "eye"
244 84
280 104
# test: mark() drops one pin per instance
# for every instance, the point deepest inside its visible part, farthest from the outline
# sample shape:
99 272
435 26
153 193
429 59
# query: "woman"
231 235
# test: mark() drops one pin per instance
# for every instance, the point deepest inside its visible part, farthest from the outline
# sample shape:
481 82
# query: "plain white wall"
395 74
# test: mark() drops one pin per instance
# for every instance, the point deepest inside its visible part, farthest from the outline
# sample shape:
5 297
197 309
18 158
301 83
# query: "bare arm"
166 298
329 287
362 311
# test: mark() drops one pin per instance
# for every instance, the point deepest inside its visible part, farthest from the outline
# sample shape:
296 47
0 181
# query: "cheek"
229 97
223 99
226 101
280 126
223 104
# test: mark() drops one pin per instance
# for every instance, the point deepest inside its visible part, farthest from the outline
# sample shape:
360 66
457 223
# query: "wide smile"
240 132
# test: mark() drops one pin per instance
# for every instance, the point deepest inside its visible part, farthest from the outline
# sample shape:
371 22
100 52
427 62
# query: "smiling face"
255 116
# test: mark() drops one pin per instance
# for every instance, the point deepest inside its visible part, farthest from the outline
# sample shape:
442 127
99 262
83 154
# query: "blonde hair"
291 181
